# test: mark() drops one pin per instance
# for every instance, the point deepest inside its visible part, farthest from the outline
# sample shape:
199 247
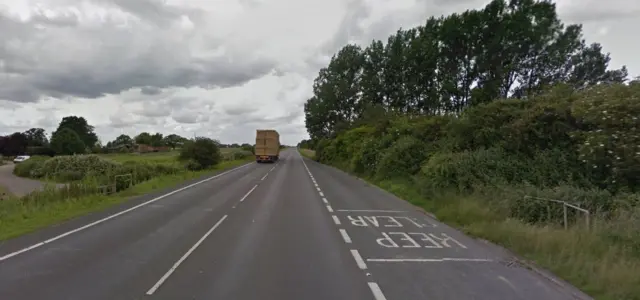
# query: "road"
292 230
18 186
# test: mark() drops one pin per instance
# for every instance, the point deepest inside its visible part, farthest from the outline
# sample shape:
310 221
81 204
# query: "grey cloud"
190 117
155 11
150 91
240 110
153 110
62 19
92 62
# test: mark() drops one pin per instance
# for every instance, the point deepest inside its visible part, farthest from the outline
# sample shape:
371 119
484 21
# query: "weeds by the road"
51 206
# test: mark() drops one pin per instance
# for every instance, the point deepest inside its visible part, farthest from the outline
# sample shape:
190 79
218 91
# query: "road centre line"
356 255
345 236
429 259
265 176
248 193
177 264
34 246
335 219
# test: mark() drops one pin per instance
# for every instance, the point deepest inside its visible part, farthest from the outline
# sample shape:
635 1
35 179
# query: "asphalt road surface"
291 230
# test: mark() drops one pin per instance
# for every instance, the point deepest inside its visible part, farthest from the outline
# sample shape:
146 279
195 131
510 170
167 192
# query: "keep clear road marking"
117 214
177 264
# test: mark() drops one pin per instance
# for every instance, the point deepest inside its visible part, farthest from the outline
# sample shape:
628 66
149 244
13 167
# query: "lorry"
267 147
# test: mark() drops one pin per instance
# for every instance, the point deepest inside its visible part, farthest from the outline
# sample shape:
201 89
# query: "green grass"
18 218
155 157
308 153
4 194
603 262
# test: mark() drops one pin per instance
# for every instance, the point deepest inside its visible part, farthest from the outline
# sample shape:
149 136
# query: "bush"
205 151
75 166
25 168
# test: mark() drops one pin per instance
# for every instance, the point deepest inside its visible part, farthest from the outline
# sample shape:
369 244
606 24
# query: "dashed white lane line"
117 214
377 292
329 208
248 193
325 200
263 177
272 168
177 264
372 210
345 236
356 255
317 188
336 220
321 194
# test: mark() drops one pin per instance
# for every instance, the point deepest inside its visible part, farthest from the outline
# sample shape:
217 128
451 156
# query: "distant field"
155 157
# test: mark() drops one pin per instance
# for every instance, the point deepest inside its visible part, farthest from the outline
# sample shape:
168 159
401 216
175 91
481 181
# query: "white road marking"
321 194
272 168
249 192
325 200
336 220
345 236
429 259
117 214
177 264
356 255
265 176
329 208
373 210
377 292
317 188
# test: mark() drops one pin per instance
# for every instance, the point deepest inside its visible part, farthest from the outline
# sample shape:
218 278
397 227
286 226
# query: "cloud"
217 68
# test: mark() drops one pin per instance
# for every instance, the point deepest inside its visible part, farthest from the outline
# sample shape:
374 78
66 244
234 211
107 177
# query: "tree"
143 138
509 49
36 137
80 126
174 140
203 151
14 144
66 141
157 140
122 140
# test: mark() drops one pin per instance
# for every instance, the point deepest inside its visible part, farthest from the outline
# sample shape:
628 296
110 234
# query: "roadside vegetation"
483 124
99 176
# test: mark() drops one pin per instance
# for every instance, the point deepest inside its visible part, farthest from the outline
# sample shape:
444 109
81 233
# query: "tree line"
508 49
74 135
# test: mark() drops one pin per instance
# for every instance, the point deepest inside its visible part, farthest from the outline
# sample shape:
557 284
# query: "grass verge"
18 218
602 262
308 153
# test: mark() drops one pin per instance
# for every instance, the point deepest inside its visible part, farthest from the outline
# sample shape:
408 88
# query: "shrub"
403 159
203 150
75 166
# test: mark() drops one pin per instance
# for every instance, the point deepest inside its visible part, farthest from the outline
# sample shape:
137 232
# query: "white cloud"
220 68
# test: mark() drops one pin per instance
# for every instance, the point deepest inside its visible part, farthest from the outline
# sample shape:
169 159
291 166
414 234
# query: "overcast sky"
217 68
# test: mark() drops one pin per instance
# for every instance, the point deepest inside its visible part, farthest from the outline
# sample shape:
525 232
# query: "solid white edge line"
177 264
373 210
345 236
116 214
336 220
248 193
329 208
377 292
429 259
356 255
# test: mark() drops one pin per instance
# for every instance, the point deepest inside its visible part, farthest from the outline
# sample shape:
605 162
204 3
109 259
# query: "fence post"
564 208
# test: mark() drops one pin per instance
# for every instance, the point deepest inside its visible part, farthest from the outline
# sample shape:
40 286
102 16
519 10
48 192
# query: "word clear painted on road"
387 221
417 240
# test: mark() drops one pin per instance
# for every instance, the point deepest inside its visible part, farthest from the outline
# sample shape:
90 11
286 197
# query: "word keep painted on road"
386 221
417 240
